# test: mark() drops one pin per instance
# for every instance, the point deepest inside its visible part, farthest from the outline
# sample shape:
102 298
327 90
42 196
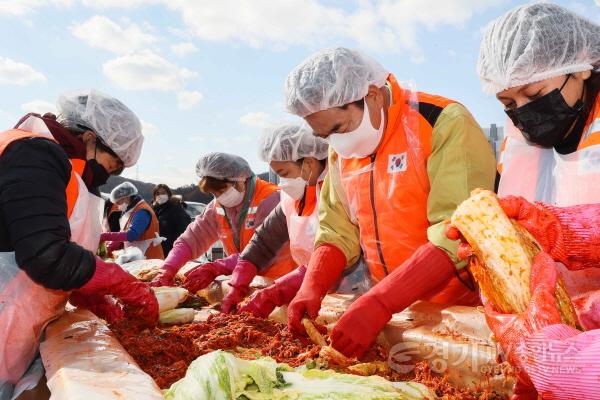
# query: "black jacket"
33 215
172 220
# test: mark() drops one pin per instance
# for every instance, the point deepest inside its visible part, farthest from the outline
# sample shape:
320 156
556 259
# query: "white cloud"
186 100
39 106
23 7
149 129
390 25
102 32
184 48
119 4
257 119
146 70
16 73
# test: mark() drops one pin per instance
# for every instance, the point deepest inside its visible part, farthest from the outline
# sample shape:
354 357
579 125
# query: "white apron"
302 231
27 307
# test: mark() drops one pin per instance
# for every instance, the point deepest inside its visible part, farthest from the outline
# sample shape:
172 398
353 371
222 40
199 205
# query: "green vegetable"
177 316
222 376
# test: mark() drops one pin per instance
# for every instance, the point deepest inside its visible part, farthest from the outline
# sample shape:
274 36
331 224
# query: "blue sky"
208 75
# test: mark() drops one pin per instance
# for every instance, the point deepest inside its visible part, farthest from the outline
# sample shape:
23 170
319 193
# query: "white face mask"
294 187
162 198
123 207
231 198
362 141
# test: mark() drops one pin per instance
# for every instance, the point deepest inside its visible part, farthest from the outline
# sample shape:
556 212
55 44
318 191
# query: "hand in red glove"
423 274
137 298
178 256
105 307
242 275
281 292
511 330
324 269
570 235
113 237
201 276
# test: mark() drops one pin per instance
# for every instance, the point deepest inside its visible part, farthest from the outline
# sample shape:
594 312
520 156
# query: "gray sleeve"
268 238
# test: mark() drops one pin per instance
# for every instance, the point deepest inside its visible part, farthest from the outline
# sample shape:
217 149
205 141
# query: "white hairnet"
291 141
223 166
535 42
331 78
125 189
116 125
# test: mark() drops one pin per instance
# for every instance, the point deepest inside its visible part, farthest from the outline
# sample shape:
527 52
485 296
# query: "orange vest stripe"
153 252
284 262
591 132
72 190
390 200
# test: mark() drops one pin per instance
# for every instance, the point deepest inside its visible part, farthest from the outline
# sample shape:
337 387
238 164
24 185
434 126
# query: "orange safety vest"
72 190
283 263
153 252
387 192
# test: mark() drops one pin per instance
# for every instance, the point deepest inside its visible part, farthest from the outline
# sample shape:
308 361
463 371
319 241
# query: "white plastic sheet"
84 361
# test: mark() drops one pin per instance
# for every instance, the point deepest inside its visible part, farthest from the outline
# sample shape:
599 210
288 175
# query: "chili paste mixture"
165 352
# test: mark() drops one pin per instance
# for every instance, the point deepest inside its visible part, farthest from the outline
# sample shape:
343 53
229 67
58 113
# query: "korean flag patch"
396 163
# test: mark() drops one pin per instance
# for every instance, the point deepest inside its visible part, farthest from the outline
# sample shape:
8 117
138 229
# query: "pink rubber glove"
178 256
422 275
242 275
325 268
564 363
570 235
511 330
281 292
201 276
138 299
105 307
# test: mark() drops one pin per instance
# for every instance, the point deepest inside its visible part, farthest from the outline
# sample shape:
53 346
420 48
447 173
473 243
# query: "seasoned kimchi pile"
166 352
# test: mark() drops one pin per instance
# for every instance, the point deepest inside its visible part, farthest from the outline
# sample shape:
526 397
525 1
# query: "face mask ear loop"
565 82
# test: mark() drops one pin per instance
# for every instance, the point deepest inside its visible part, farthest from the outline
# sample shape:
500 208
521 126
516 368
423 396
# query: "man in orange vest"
139 225
400 163
50 223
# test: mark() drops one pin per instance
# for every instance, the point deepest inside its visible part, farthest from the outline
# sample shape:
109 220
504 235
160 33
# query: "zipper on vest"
375 224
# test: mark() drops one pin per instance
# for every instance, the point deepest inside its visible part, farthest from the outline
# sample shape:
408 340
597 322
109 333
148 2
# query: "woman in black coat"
171 215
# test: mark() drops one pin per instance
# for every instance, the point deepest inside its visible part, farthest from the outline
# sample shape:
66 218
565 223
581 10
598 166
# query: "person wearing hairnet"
541 61
400 163
50 224
242 202
139 225
299 159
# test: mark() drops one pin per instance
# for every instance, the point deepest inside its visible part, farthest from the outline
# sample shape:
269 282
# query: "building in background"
495 135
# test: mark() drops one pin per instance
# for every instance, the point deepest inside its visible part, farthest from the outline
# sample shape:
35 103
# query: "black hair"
161 186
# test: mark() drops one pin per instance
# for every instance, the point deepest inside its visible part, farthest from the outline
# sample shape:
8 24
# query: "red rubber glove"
422 275
202 275
242 275
281 292
178 256
511 330
137 298
324 269
570 235
105 307
113 237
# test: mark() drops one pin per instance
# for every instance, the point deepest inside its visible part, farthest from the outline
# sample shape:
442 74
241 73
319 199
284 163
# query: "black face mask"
546 120
98 172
